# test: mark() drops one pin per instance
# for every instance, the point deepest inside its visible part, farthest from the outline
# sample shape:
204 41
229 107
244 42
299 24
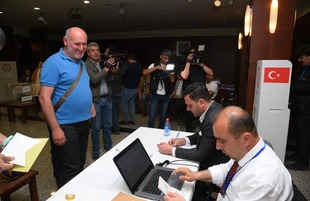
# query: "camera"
197 55
118 56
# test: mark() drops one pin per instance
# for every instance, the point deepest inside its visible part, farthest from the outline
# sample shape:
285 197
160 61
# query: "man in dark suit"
199 102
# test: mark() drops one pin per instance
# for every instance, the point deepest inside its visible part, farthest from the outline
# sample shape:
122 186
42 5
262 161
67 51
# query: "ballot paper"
25 150
165 187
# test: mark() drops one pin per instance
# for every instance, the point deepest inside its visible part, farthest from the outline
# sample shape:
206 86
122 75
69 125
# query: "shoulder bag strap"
64 97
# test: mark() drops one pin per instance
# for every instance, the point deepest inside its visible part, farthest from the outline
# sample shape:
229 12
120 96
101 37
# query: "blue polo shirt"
59 71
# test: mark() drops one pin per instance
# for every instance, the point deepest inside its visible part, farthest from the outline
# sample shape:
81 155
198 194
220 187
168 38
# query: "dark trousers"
69 160
158 101
303 139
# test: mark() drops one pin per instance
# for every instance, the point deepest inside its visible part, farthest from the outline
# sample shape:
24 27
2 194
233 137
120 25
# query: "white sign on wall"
8 74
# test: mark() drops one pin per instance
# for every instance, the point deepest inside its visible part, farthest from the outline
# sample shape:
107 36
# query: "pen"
178 132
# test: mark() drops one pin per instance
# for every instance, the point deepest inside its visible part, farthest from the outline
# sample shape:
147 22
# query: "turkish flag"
276 75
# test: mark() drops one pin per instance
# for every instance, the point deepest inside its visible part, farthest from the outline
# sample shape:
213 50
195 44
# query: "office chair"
222 96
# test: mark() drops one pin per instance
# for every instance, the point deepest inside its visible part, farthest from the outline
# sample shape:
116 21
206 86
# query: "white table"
102 180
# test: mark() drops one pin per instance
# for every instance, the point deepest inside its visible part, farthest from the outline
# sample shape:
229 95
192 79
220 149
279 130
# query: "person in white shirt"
211 85
160 87
260 174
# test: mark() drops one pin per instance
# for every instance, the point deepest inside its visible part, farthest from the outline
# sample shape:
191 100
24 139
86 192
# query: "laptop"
139 172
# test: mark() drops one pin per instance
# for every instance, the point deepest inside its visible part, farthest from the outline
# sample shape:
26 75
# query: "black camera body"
118 56
197 57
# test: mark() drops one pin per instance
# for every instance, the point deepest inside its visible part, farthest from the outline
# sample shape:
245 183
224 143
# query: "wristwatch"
6 141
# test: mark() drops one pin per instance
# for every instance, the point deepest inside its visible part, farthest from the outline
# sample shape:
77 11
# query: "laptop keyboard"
152 184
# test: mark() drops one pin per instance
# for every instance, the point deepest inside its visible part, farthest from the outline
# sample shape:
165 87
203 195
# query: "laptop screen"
134 164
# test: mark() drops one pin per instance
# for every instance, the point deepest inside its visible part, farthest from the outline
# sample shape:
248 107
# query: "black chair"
222 96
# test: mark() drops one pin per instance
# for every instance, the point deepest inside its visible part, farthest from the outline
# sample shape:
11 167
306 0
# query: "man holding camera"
101 91
193 71
160 86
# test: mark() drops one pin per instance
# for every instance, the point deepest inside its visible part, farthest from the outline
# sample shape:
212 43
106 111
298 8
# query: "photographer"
160 86
101 92
193 72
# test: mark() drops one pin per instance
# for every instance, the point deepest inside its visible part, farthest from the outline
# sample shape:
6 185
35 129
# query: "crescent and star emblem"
273 75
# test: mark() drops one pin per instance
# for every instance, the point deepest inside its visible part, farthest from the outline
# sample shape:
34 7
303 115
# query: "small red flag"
277 75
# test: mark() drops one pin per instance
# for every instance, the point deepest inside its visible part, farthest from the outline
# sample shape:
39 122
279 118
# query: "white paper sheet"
18 147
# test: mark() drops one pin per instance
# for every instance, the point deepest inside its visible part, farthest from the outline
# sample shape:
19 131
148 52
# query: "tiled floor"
45 180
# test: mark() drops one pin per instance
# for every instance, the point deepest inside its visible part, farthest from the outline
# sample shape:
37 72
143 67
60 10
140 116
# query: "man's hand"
5 162
109 64
93 111
165 148
115 69
173 197
59 137
187 174
159 67
176 142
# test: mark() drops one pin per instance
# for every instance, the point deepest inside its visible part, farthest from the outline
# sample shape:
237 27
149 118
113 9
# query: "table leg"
33 189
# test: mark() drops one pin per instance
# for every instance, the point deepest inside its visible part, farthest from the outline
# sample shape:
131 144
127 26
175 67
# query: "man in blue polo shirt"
69 126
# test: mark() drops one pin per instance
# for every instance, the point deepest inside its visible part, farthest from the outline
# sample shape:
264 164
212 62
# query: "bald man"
69 126
260 174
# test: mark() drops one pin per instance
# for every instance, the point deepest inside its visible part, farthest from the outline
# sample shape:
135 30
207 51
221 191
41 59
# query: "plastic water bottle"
167 127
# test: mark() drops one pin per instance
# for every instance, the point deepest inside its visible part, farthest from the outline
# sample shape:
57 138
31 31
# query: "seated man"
199 102
254 171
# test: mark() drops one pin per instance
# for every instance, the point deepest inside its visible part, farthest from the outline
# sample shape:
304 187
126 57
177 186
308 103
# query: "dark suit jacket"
205 152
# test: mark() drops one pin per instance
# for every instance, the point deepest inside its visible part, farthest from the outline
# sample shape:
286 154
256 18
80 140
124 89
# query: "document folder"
25 150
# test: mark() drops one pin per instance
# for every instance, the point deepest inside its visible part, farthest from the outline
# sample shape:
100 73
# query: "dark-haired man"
300 107
199 102
160 87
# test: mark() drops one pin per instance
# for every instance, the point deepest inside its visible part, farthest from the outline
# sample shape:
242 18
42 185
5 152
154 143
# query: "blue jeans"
102 120
116 99
161 102
128 104
68 160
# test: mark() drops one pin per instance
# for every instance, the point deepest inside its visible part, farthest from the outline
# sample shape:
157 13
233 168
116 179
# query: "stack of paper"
25 150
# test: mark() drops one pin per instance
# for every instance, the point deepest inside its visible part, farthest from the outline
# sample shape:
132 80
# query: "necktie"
229 177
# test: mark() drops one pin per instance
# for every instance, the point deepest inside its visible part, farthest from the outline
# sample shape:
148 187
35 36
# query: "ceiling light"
231 2
217 3
86 2
42 19
273 18
121 11
240 41
247 20
36 8
1 12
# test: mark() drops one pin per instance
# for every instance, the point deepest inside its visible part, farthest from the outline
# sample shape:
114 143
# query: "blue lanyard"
259 152
306 69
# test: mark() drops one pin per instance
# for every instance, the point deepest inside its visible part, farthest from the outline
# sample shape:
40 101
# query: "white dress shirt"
261 178
213 87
